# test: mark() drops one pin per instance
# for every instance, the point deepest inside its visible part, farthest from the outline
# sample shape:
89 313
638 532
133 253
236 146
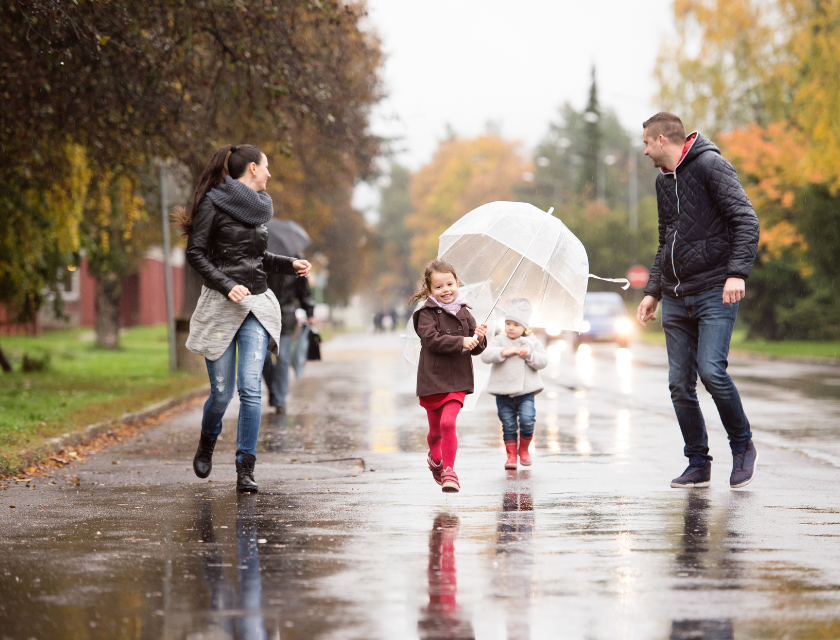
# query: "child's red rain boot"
510 447
524 456
450 482
435 468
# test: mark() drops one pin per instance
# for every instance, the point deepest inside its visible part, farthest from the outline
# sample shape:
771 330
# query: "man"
708 236
290 290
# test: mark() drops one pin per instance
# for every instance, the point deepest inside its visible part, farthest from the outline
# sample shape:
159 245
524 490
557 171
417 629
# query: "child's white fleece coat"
514 375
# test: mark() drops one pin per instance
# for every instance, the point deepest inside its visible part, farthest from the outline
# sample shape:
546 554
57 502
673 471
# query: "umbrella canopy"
507 250
287 238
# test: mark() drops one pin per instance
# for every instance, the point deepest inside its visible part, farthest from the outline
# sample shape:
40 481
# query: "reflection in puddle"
443 619
622 432
583 361
515 553
702 630
233 616
582 444
624 364
703 555
382 434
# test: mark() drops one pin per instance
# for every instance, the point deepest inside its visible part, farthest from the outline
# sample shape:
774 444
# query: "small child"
514 378
445 374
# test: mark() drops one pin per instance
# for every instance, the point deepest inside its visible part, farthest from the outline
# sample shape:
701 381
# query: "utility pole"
634 191
167 270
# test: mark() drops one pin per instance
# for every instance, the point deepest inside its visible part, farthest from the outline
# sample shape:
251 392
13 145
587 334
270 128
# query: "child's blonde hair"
424 287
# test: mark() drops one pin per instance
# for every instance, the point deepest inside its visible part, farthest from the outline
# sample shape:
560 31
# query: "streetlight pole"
167 270
634 191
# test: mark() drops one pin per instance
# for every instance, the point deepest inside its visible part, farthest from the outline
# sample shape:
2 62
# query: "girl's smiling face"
444 287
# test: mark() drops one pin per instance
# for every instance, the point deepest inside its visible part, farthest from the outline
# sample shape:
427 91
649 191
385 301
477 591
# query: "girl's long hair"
230 160
424 287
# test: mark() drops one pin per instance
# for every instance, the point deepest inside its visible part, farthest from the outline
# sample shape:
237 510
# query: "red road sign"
638 276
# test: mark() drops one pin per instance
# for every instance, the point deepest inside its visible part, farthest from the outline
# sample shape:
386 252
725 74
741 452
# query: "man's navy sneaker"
694 477
743 467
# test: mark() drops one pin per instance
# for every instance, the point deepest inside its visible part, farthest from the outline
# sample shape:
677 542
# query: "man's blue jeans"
698 330
252 342
510 409
277 373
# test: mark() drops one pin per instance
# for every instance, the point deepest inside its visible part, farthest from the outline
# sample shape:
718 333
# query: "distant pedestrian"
290 291
516 358
708 236
227 246
449 336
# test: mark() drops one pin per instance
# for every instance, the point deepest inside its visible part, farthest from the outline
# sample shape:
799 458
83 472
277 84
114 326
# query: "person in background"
290 291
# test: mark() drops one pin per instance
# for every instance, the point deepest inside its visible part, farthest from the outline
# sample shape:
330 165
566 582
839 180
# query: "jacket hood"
701 145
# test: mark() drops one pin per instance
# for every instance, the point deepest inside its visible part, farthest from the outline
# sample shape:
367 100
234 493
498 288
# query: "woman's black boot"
203 461
245 474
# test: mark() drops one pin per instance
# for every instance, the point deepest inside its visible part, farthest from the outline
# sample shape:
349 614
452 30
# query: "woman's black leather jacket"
227 252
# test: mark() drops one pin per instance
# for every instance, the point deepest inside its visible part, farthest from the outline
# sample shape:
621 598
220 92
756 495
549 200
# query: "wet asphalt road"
351 538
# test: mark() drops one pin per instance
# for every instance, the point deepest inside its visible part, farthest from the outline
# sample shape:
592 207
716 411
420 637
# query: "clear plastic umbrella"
508 250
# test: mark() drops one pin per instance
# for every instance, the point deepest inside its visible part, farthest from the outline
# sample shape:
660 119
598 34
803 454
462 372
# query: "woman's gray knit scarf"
241 202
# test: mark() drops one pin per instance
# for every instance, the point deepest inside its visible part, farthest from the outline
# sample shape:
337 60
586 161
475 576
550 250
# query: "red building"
143 297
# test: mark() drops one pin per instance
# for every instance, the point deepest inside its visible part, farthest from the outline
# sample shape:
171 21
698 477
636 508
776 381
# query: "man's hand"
733 291
302 267
470 343
238 293
647 309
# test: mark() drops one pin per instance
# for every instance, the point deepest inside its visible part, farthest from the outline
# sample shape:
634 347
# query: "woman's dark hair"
230 160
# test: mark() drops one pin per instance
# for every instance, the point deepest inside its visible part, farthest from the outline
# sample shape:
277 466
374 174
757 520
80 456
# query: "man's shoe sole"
746 482
696 485
247 489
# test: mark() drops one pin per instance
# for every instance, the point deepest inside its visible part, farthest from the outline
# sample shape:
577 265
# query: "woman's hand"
481 331
302 267
238 293
507 353
470 343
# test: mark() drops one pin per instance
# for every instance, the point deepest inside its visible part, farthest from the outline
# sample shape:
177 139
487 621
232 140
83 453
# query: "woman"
236 310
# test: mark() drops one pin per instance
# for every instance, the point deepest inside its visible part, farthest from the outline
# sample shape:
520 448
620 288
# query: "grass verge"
82 385
806 349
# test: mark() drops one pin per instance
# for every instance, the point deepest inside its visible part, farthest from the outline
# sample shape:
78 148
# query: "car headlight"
623 326
553 330
585 326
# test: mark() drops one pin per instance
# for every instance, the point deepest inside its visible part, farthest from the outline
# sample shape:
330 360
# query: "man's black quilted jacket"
708 230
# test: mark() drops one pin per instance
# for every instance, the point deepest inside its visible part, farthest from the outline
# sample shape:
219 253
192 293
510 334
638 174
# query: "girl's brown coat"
444 367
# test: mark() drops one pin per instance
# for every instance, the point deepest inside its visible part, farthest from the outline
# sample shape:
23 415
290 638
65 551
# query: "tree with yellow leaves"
462 175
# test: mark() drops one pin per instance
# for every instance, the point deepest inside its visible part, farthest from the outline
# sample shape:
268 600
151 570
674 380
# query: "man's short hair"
666 124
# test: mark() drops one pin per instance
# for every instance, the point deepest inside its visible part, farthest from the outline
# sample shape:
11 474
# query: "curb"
54 445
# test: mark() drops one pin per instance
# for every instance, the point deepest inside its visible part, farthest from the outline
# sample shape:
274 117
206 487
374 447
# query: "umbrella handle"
625 281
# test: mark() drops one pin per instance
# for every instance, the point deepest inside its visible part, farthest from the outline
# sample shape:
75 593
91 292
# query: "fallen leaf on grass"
59 460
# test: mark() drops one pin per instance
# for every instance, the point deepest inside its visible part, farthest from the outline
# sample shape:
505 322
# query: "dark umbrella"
287 238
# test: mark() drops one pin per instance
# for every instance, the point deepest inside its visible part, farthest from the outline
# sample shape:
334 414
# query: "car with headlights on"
605 319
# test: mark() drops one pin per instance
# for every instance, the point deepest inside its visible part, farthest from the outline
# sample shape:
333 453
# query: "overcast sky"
512 62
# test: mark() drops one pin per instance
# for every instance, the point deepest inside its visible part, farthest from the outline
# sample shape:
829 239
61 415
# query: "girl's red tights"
442 438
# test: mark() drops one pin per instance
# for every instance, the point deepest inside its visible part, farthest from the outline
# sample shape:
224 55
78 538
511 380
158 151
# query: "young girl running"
445 374
515 379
